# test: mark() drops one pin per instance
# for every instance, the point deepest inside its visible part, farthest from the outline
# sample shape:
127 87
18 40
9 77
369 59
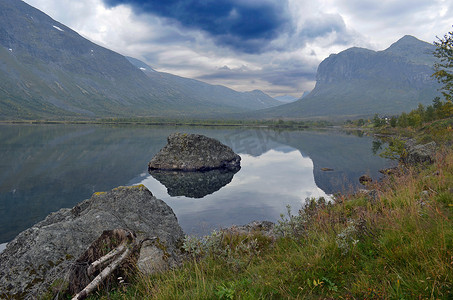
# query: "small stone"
365 179
389 171
424 194
266 228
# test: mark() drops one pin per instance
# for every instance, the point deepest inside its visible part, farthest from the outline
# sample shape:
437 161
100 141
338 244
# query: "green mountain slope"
48 70
213 94
359 81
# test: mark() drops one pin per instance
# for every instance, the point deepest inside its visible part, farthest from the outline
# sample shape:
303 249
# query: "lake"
47 167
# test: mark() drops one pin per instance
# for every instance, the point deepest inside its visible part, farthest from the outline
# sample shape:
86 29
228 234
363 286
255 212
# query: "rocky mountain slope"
359 81
48 70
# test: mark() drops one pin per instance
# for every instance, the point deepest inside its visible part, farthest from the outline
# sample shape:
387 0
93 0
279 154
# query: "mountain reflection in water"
47 167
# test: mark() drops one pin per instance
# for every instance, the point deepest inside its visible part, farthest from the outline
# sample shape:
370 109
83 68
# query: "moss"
131 187
56 288
162 247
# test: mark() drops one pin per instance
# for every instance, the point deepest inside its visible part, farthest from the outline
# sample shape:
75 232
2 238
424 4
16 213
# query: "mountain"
48 70
360 81
207 93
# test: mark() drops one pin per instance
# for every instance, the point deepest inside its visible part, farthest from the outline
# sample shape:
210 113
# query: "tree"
393 121
447 110
377 121
443 68
430 113
414 119
402 120
421 111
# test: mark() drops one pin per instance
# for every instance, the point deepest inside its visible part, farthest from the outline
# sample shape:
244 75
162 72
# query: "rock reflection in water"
193 184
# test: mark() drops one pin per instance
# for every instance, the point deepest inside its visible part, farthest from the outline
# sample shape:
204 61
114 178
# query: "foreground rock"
43 255
194 152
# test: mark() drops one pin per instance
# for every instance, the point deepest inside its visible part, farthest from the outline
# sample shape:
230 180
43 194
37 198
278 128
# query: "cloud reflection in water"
261 190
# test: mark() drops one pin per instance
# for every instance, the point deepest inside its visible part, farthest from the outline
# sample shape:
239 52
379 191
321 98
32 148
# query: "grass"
394 244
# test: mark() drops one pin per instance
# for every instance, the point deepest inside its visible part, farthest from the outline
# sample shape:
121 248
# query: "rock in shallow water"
194 152
44 253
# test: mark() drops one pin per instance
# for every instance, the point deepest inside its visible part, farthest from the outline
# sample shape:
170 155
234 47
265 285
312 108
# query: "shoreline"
277 124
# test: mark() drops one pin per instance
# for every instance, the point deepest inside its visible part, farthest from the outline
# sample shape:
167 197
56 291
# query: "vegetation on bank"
393 242
416 118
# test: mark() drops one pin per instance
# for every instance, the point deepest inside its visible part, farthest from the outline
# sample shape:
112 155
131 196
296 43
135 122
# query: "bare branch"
104 259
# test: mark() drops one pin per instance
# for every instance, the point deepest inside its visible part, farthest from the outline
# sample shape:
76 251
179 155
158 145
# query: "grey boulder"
194 152
416 153
42 255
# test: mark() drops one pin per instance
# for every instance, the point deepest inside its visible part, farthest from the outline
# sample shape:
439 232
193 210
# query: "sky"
271 45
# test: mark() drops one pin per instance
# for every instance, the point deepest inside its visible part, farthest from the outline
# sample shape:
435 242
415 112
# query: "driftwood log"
112 255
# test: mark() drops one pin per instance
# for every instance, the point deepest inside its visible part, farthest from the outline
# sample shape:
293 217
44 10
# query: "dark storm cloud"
247 26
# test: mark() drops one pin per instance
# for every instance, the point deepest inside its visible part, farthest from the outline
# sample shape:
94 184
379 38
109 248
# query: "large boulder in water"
194 152
43 254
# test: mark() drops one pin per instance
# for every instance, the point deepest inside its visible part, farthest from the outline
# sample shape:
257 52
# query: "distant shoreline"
278 124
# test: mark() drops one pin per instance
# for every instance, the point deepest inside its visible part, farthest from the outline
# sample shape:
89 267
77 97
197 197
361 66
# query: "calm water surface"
47 167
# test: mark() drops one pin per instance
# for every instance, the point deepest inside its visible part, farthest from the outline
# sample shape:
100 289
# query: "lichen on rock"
417 153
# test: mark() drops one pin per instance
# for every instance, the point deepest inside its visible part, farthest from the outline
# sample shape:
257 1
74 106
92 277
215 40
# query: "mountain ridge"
48 70
362 82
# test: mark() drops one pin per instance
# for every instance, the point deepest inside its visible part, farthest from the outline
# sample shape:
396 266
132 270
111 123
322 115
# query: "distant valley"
286 98
48 70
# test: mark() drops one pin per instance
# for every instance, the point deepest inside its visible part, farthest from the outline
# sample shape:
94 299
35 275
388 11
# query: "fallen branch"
94 266
104 274
104 259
